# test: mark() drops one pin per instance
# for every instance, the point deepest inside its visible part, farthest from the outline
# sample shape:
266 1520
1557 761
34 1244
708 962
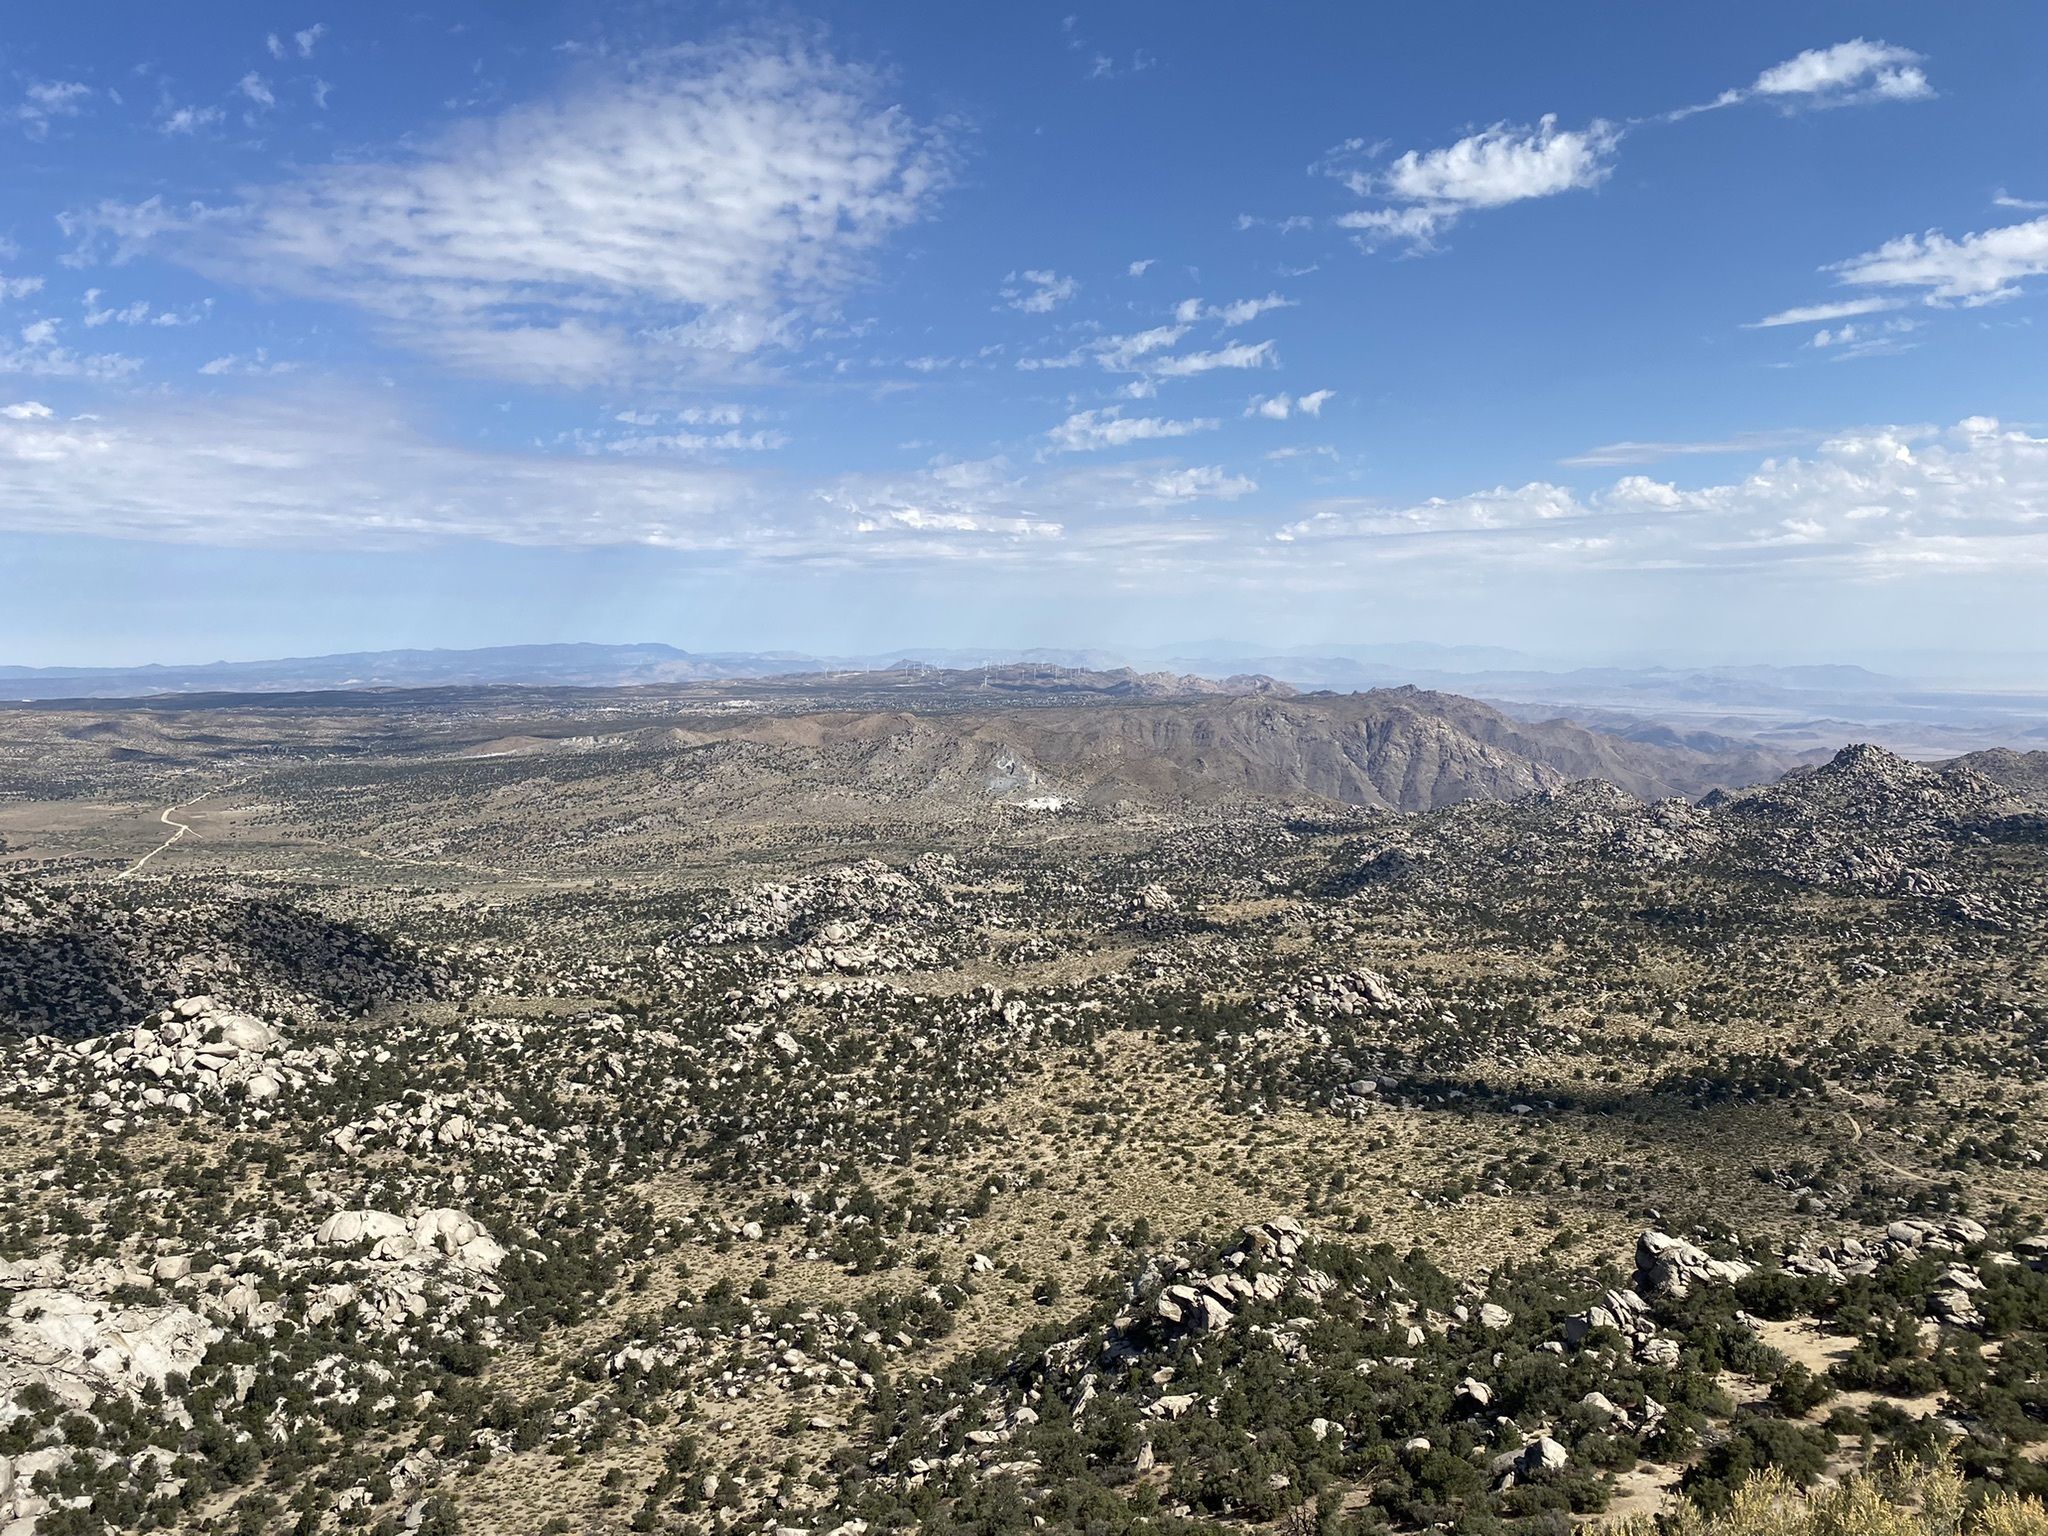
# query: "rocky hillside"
2024 774
1392 749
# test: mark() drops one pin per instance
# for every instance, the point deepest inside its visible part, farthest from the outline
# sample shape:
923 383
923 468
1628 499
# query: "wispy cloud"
248 365
1280 407
345 471
177 122
37 352
1424 192
1242 354
1237 312
1652 452
1038 291
1820 314
691 209
1110 428
43 101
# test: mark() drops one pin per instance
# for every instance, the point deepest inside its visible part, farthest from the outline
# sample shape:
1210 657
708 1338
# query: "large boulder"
243 1032
124 1348
1671 1266
345 1229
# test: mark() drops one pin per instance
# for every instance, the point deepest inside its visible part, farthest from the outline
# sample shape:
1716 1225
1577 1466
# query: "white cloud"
1280 407
1976 269
1425 192
45 100
1038 291
186 121
695 444
1243 310
719 415
1242 354
257 364
19 287
257 89
275 44
1139 268
270 467
1652 452
38 354
338 471
118 232
1874 502
698 206
2005 199
1864 340
309 39
1291 224
140 312
1110 428
1818 314
1858 70
1145 353
330 469
1238 312
27 410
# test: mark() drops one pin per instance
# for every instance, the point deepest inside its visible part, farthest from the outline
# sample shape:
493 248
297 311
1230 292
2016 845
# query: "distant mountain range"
1793 708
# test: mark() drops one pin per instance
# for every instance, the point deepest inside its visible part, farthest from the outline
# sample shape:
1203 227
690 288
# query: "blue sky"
1604 331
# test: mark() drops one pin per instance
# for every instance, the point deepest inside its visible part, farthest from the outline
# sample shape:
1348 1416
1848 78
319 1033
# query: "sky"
1605 331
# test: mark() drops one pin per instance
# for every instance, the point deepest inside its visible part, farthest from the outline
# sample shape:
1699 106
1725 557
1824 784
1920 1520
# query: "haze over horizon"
1610 335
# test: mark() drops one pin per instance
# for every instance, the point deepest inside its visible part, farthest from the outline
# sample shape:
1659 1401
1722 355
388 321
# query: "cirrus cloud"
694 208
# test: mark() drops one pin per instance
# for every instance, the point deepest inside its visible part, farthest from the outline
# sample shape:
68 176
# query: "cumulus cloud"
694 208
1110 428
257 89
1858 70
1139 268
1038 291
1875 502
1424 192
1976 269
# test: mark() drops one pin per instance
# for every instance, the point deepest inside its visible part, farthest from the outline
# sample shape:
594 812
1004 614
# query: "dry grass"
1920 1501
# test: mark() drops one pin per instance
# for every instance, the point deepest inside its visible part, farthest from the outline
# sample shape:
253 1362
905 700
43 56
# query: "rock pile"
1671 1266
428 1235
1172 1300
855 920
199 1050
